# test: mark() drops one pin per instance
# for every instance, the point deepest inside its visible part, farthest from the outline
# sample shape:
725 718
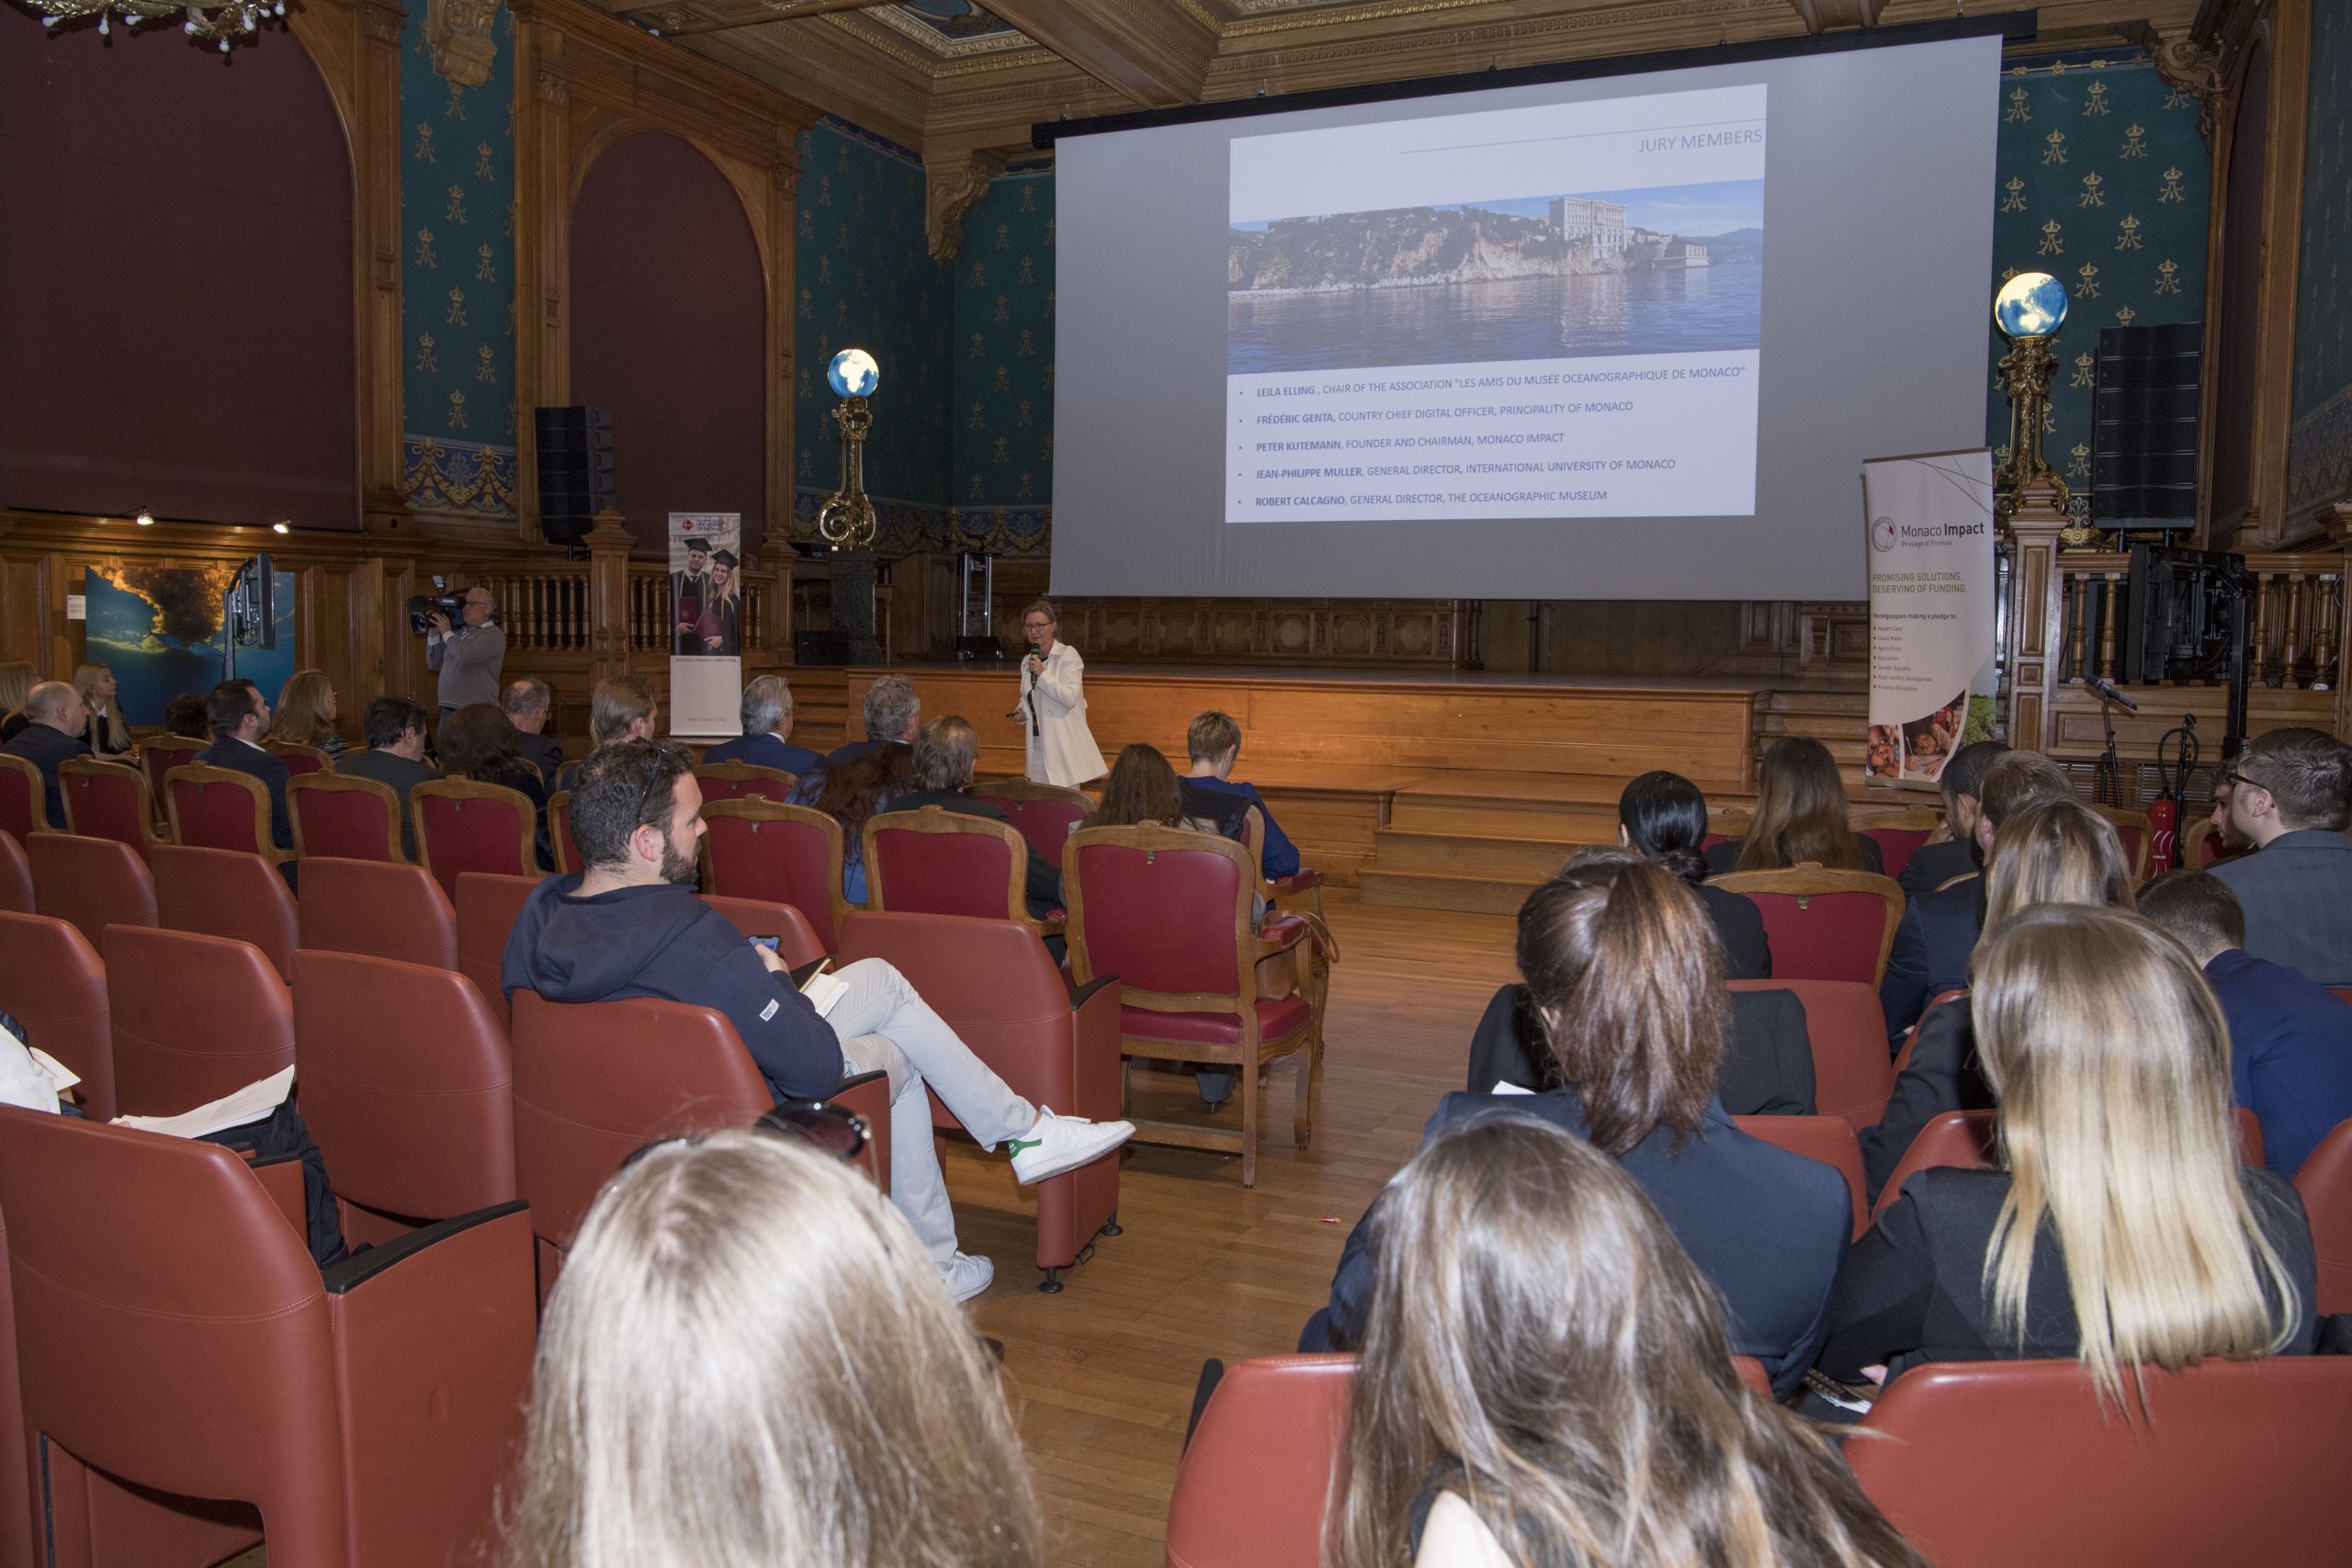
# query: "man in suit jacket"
946 752
766 741
2291 795
1934 864
239 714
394 730
54 715
529 703
1214 742
893 712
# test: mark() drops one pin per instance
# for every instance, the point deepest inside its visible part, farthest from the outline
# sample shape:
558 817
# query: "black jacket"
1767 1060
1932 865
1748 951
1913 1287
397 773
1042 887
1765 1225
1933 942
45 747
243 757
544 752
1724 856
662 940
1944 1075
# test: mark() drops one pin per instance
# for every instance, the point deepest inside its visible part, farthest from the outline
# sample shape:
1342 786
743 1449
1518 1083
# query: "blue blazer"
238 757
1932 865
767 751
1767 1227
1932 945
2291 1054
45 748
1278 855
2298 896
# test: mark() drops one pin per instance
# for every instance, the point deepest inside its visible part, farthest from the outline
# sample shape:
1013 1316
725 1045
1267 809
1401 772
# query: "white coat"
1061 748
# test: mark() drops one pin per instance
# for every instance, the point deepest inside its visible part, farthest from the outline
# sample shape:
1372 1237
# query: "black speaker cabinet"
2145 416
576 447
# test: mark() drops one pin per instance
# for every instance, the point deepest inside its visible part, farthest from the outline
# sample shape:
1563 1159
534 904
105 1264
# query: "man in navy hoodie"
631 925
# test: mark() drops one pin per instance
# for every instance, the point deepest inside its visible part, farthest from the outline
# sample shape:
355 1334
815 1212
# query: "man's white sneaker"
1057 1143
968 1275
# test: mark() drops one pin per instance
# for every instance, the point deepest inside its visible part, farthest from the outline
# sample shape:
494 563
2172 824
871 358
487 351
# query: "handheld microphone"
2107 688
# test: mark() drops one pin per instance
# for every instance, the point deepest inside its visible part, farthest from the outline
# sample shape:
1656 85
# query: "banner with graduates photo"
706 624
1932 611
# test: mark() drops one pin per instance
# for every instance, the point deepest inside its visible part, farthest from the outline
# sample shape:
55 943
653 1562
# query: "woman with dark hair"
1546 1379
1800 816
1625 973
477 741
853 792
1663 815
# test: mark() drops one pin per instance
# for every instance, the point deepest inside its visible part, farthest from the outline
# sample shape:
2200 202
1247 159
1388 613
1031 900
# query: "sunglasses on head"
836 1130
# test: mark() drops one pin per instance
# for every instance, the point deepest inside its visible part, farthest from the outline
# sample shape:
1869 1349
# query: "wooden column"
2035 621
608 547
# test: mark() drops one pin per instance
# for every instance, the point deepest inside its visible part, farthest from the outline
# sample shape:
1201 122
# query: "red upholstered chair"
175 1334
1304 885
300 760
2004 1462
52 982
463 825
15 876
1970 1139
785 854
1168 911
19 1546
1260 1474
94 882
937 861
594 1083
1044 812
756 917
24 798
2201 844
2326 1184
1851 1076
1941 999
2342 994
222 893
383 910
219 808
407 1088
347 817
193 1017
2138 834
1829 1139
560 839
998 989
108 800
487 906
1824 925
1898 834
744 781
158 755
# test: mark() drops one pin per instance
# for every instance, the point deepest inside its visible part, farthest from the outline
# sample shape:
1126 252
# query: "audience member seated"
394 730
893 712
622 708
529 705
306 713
2121 1230
1212 741
1663 815
1800 816
183 716
54 719
855 792
1950 851
1543 1369
239 714
1939 927
2290 797
478 743
747 1360
766 741
2291 1042
945 751
631 925
1627 976
108 733
2053 851
16 682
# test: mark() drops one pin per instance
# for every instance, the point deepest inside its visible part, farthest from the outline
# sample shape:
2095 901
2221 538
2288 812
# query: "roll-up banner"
706 625
1933 612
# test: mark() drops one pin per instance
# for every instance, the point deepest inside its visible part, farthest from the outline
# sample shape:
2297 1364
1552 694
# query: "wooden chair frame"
460 791
1251 1055
1804 881
203 775
1030 789
332 783
748 772
2192 844
560 839
296 748
188 747
1901 818
755 809
89 767
1321 950
2125 817
38 784
937 821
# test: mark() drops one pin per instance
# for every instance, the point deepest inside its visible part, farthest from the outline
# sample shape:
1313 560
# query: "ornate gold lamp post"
847 520
2029 310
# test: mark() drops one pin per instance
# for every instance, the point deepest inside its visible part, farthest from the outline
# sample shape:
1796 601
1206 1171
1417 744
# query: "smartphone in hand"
773 943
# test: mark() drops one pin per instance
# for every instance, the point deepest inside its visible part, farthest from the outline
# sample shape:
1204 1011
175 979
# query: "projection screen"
1626 336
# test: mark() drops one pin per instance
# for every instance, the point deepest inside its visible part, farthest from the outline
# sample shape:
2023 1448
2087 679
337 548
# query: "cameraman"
470 657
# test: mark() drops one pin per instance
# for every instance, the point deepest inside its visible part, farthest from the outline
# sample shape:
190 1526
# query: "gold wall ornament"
214 20
2193 72
949 193
846 521
2025 373
459 34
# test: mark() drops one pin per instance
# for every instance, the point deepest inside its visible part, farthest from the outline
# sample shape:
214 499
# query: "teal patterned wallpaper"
2319 449
458 280
2103 181
1005 365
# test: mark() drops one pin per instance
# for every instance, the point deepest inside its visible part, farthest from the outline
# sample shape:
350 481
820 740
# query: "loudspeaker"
2144 426
575 470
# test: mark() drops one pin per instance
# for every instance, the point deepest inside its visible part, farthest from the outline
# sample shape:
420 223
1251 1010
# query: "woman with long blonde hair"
749 1361
2120 1227
306 712
109 734
16 685
1546 1378
1800 816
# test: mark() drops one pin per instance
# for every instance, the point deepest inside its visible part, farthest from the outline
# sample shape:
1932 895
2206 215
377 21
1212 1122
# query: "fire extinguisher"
2163 812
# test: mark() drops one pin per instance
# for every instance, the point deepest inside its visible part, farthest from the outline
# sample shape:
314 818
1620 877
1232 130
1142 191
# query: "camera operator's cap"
723 558
702 545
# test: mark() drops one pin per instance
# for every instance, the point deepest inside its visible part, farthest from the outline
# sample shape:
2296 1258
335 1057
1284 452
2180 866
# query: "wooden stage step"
1428 890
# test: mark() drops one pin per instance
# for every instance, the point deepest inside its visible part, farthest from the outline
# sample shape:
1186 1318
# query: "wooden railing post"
2036 619
608 548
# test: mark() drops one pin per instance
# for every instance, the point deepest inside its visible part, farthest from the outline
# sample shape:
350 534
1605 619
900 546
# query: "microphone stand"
2107 779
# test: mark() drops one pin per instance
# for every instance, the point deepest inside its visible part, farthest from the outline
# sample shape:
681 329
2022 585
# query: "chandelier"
219 20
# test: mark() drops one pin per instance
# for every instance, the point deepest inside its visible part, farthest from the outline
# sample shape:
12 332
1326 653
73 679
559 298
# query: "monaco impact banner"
706 624
1932 611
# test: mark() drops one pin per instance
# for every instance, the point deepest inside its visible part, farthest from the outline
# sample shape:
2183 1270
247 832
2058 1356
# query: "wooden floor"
1102 1375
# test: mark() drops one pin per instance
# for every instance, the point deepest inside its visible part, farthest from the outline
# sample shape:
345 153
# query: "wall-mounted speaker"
2145 416
576 447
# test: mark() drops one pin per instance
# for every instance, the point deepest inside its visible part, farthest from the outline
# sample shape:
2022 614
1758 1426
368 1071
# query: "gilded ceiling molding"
1831 15
459 32
949 194
2193 69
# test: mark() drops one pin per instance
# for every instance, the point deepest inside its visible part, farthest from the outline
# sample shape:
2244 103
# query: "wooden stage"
1432 790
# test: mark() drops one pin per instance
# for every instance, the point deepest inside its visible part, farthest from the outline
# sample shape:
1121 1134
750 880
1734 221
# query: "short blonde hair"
1211 734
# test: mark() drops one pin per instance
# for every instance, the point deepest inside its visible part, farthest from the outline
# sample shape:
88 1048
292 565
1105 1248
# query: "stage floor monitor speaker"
575 450
2145 413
